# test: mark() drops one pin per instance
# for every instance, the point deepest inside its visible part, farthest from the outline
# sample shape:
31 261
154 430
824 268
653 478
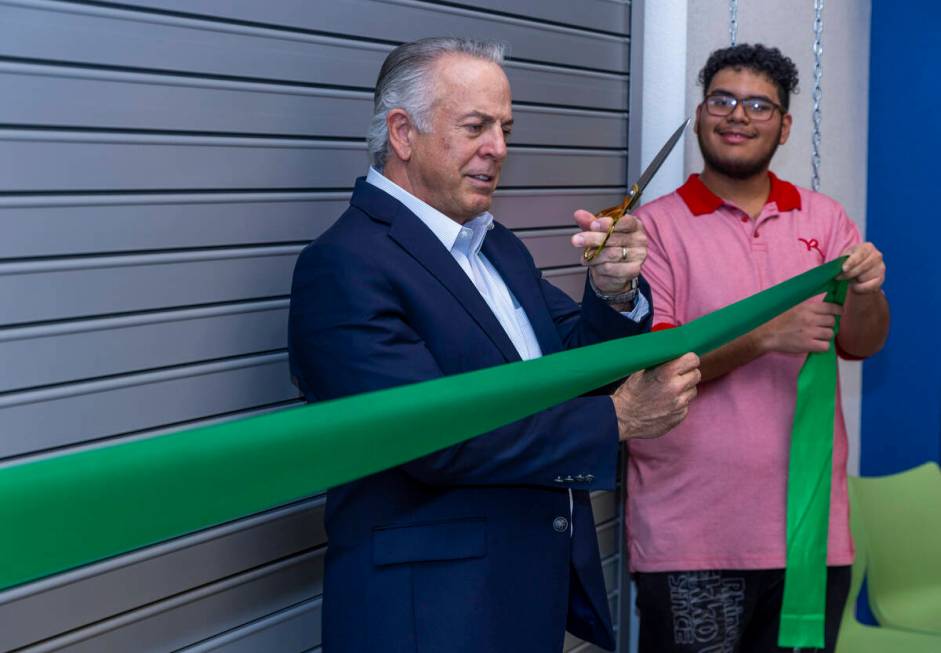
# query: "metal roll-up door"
162 162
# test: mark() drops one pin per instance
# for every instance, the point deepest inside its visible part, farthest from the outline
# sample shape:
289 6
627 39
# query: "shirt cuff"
640 310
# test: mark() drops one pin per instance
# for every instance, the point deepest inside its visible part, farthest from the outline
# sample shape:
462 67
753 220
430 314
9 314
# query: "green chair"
899 578
902 518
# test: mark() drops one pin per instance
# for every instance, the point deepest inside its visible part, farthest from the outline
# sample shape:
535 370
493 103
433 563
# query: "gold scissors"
633 195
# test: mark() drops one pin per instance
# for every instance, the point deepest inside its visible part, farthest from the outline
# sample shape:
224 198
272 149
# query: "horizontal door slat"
70 288
571 280
552 247
604 506
608 539
85 349
41 162
81 34
604 15
55 605
554 207
407 20
116 100
609 571
53 31
81 412
163 429
543 84
194 616
289 631
45 226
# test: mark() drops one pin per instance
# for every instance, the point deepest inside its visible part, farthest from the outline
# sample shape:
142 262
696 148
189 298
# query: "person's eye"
722 102
759 106
507 132
474 128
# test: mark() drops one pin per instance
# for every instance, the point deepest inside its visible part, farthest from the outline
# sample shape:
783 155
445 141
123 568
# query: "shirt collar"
450 233
700 200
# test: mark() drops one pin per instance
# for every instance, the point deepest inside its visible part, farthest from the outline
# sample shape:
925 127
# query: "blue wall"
901 413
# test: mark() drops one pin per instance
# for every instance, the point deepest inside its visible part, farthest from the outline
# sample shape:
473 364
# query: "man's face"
735 145
456 165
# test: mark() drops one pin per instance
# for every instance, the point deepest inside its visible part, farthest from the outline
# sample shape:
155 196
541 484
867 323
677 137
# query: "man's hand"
651 402
805 328
623 255
864 268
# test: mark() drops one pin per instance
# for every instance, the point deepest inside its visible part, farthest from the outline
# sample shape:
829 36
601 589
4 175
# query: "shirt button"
755 235
560 524
745 218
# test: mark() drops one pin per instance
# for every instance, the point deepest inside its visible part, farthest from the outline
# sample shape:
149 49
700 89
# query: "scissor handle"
616 213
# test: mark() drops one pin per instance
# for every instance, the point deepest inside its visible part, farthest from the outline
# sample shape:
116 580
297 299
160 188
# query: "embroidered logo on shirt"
812 244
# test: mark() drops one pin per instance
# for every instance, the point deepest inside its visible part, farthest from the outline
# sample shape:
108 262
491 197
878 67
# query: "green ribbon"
808 496
61 512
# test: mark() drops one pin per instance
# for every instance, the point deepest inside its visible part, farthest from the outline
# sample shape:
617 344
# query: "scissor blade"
662 155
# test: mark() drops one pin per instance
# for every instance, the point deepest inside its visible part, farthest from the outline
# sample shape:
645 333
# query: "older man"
489 545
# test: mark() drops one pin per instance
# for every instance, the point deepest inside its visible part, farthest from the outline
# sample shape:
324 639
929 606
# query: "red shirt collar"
701 200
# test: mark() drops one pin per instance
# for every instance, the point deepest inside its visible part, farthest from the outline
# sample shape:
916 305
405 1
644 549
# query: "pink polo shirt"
711 493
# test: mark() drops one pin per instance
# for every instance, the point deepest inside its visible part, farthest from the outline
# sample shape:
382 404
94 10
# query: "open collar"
416 238
702 201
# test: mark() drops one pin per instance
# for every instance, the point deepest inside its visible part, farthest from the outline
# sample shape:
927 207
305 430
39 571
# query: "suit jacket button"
560 524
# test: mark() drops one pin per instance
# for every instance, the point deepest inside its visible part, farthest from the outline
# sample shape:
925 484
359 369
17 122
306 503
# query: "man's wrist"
624 300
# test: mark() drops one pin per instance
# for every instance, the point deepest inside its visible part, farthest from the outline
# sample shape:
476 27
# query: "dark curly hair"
757 58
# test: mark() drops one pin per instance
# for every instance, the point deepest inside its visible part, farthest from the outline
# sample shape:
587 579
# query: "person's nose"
496 144
738 113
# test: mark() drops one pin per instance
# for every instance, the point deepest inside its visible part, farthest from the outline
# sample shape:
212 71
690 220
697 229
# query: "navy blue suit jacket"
462 550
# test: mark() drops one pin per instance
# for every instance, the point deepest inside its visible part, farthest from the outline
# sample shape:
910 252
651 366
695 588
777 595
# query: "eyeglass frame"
741 101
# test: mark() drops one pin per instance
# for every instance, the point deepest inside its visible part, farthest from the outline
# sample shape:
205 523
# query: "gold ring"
623 253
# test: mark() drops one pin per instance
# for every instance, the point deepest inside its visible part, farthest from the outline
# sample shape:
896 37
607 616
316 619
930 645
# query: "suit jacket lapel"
525 286
413 236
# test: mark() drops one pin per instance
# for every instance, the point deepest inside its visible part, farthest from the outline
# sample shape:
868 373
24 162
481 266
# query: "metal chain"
733 20
817 94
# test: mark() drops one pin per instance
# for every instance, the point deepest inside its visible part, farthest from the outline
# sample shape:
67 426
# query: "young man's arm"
864 324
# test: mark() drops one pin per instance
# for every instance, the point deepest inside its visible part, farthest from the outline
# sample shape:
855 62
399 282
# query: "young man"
707 507
489 545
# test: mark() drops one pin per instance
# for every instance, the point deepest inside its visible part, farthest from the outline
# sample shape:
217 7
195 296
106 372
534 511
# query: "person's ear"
401 133
698 115
786 121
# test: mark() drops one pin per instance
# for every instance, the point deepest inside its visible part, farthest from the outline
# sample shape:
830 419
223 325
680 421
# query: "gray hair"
404 84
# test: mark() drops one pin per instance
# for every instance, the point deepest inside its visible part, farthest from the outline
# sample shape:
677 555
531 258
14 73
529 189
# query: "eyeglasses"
757 108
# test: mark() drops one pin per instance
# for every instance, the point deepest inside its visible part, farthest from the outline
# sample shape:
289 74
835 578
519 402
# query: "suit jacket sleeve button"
560 524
